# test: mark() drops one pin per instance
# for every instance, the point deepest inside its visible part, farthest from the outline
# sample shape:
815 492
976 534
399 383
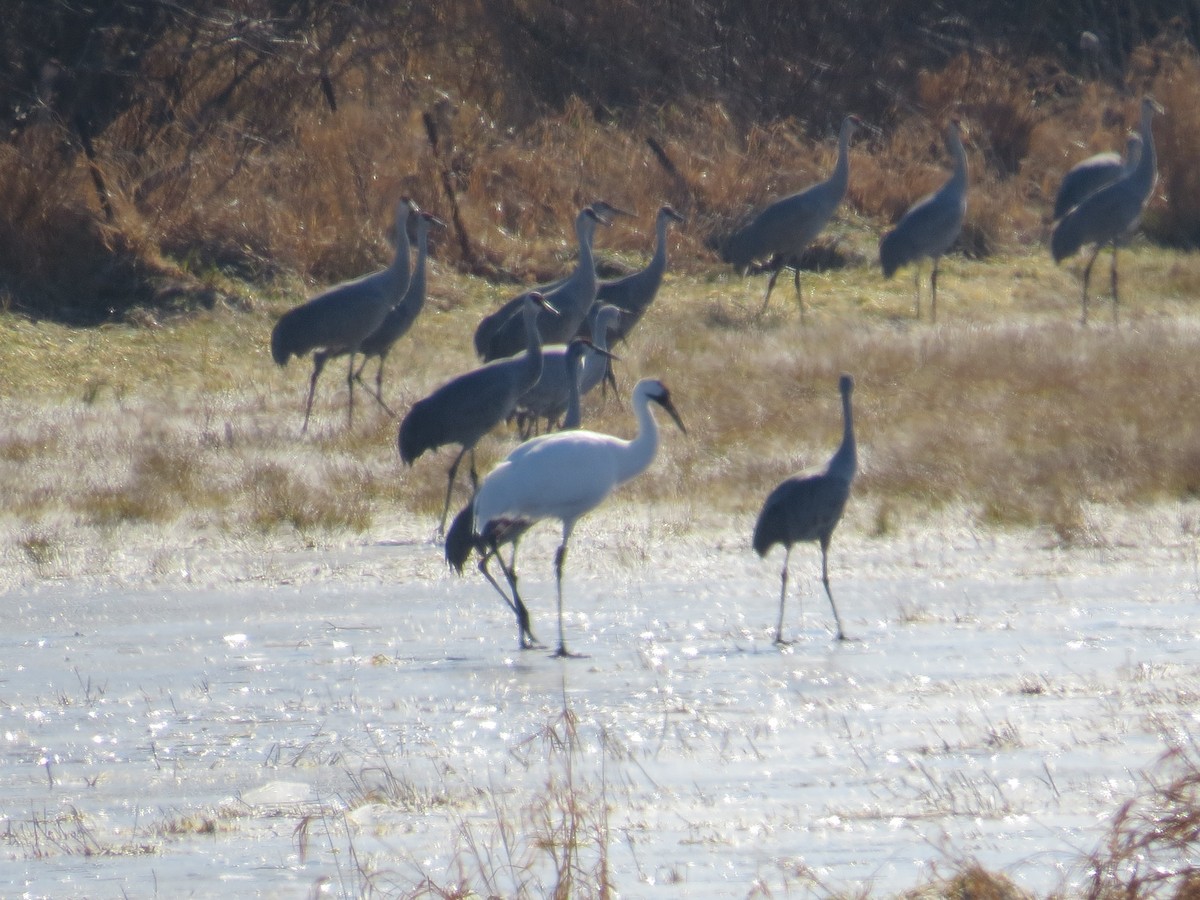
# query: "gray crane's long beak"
543 302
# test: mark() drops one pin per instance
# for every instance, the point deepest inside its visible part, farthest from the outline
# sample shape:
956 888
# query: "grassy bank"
1006 406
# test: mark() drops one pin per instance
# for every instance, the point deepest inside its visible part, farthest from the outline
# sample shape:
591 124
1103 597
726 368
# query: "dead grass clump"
1151 850
1177 141
279 497
970 881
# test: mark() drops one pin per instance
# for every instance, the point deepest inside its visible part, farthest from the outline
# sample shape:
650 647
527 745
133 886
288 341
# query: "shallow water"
273 723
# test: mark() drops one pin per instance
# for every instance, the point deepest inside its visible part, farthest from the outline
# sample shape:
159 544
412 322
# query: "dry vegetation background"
149 146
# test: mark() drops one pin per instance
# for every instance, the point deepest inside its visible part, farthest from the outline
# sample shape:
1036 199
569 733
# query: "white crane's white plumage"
566 475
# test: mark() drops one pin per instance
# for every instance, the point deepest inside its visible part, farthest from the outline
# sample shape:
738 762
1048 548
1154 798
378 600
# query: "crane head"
657 391
604 212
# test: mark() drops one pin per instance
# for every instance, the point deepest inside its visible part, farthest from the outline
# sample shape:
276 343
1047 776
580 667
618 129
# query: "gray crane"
564 476
550 397
498 334
337 321
781 231
461 540
470 405
634 293
1087 176
808 508
397 322
1111 213
931 225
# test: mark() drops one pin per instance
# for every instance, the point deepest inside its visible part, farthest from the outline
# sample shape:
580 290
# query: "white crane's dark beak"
664 400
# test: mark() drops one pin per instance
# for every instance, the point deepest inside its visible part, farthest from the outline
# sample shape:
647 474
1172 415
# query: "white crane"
565 475
461 540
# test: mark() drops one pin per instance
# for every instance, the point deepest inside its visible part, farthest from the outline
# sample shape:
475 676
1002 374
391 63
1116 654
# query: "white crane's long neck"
845 461
637 454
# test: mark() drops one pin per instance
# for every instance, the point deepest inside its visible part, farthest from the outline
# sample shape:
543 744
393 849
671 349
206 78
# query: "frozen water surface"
244 720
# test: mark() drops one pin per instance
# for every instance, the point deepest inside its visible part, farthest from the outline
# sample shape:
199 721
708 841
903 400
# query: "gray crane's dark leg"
799 293
319 359
449 488
1087 274
1116 297
378 395
841 635
917 290
350 388
933 290
783 580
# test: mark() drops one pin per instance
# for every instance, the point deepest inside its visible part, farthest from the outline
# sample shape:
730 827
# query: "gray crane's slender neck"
416 287
400 263
959 154
1145 173
533 343
658 262
845 461
840 178
585 231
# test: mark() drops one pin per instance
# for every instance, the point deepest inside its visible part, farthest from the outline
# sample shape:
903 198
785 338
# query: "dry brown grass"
1007 407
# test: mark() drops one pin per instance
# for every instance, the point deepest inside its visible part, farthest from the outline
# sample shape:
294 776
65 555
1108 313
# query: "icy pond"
207 720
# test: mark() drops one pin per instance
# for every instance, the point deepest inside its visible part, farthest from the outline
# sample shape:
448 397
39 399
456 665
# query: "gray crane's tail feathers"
1064 239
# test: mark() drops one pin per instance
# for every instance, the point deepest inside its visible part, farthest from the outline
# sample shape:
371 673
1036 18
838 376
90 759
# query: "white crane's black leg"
525 633
783 580
528 639
560 558
841 635
319 359
1087 274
